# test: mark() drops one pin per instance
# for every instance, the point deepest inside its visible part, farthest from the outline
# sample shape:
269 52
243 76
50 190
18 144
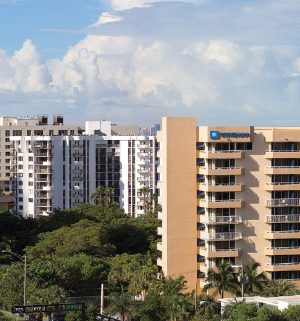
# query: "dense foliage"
72 252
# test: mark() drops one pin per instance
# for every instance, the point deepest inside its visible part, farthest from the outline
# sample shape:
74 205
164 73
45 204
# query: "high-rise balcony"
282 186
273 267
216 253
275 235
224 253
78 163
284 170
283 218
291 250
44 187
281 202
143 146
159 246
47 205
43 196
42 146
231 187
159 261
142 179
44 163
218 220
221 171
224 236
42 179
222 154
43 170
43 154
282 154
144 171
231 203
144 155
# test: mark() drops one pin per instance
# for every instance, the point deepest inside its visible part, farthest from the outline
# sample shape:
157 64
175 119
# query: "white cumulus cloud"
120 5
179 58
23 71
106 17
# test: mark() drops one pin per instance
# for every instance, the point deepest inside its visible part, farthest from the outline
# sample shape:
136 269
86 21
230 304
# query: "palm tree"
103 196
222 279
109 196
144 194
98 195
280 288
253 281
121 304
143 279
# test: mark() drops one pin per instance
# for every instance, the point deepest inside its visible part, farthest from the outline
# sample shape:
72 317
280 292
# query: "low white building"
280 302
61 171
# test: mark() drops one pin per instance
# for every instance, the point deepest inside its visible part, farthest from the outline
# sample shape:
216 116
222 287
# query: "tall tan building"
228 193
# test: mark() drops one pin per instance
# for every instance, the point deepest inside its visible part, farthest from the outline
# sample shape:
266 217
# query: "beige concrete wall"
253 189
254 212
178 192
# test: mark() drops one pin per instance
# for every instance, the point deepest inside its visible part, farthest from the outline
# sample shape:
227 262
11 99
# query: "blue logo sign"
214 134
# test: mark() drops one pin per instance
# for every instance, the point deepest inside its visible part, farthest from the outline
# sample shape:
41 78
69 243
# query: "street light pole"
24 260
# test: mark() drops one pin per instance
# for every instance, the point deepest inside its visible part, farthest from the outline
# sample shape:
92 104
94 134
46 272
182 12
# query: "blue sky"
133 61
34 19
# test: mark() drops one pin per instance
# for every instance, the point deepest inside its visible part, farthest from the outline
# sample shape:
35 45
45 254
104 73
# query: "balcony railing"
222 201
223 236
143 155
220 168
283 202
286 166
223 250
283 183
284 232
283 248
283 151
142 179
143 146
286 263
224 220
224 151
223 184
283 218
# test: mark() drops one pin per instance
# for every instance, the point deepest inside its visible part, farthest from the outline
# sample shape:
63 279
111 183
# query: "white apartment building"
61 171
17 127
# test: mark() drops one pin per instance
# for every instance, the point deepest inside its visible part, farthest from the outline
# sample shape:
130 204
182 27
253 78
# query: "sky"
233 62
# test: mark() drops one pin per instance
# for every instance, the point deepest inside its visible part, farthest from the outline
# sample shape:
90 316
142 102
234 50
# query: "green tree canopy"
82 237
